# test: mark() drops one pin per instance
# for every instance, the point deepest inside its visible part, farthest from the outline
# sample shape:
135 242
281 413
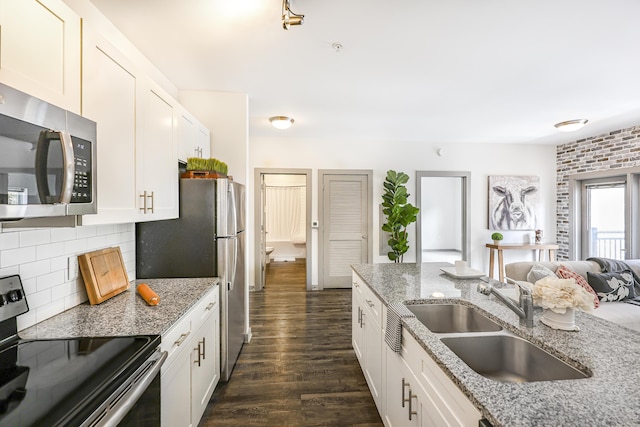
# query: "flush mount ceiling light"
290 18
571 125
281 122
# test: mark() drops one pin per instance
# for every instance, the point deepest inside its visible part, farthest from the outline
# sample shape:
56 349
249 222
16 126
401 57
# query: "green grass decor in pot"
399 213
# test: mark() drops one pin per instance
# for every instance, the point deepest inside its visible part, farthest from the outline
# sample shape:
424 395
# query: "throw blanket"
393 333
609 265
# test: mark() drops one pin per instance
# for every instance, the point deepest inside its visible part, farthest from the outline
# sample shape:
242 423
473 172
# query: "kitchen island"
126 313
605 350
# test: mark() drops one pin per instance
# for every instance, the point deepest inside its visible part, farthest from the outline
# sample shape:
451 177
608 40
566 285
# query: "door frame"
258 255
465 206
321 174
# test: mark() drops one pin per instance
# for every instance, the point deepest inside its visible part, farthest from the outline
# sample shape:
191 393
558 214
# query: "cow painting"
513 202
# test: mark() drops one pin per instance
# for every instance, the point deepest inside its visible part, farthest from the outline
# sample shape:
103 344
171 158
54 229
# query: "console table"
551 247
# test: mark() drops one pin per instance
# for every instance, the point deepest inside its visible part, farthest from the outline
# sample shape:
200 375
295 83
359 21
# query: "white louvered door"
345 230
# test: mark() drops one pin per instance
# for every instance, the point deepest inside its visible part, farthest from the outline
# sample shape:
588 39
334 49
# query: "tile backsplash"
43 257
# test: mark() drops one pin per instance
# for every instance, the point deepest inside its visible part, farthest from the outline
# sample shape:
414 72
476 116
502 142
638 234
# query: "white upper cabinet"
193 137
137 137
109 97
40 50
157 151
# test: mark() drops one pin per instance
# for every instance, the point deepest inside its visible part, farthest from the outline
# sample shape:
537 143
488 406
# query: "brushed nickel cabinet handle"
180 340
404 385
411 411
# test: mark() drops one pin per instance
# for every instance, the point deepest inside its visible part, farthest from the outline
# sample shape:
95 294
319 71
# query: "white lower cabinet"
205 360
192 369
408 387
367 336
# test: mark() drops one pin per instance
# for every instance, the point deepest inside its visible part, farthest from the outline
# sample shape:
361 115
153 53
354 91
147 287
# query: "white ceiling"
447 71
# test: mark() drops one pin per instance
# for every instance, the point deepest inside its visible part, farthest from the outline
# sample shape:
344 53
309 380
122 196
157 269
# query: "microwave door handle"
68 166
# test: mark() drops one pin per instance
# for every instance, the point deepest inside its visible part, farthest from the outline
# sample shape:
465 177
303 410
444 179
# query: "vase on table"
563 321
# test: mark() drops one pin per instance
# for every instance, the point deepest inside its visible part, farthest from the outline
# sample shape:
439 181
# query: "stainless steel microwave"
47 159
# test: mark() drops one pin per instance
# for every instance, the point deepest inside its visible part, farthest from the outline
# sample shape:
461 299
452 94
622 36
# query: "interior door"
346 222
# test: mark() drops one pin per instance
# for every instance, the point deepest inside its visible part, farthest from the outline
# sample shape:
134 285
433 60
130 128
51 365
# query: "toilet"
268 251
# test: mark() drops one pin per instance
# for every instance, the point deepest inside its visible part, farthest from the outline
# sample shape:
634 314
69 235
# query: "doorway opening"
443 226
283 224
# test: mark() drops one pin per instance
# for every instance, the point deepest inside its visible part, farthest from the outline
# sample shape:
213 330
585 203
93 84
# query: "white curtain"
286 213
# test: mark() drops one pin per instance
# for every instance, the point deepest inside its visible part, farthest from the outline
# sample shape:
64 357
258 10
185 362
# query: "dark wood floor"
299 368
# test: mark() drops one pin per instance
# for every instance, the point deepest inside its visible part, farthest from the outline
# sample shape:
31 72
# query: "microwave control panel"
82 180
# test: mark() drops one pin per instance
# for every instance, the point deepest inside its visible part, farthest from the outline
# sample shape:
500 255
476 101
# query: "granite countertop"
126 313
611 396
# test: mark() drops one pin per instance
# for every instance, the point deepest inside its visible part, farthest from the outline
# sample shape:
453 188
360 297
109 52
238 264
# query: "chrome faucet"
525 308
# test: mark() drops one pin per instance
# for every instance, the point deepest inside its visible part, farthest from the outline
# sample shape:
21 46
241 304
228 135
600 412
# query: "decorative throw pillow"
565 272
539 271
615 286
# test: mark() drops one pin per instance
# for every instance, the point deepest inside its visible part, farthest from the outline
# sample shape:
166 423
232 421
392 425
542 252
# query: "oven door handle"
116 413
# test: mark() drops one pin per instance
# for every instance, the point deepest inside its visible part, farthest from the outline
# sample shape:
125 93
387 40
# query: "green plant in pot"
496 237
399 213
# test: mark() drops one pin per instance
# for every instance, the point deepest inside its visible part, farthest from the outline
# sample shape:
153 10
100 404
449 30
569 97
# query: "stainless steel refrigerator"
207 240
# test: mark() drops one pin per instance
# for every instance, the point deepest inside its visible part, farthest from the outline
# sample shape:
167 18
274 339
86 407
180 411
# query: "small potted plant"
496 237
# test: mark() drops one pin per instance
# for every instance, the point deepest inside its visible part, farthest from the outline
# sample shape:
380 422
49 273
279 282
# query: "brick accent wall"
613 150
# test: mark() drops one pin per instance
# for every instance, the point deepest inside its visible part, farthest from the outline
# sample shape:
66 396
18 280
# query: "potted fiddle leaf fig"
399 213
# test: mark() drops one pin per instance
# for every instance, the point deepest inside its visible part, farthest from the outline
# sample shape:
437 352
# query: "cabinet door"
357 332
109 98
175 392
157 166
186 135
40 50
203 141
400 396
373 356
205 366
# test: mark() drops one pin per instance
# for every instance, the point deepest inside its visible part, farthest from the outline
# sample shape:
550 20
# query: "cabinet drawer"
373 303
205 308
177 337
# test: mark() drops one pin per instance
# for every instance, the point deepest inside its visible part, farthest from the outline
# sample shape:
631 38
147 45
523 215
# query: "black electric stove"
74 381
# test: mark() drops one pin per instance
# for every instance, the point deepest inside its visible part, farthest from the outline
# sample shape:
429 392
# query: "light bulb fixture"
290 18
281 122
571 125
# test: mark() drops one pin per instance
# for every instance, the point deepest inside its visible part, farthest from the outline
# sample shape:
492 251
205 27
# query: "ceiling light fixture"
571 125
281 122
290 18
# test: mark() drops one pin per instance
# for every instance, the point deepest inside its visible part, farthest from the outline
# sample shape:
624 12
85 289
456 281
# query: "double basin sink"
488 349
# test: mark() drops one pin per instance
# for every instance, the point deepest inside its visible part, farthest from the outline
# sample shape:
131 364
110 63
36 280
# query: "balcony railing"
608 244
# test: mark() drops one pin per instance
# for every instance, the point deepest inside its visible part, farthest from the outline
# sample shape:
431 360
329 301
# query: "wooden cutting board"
104 274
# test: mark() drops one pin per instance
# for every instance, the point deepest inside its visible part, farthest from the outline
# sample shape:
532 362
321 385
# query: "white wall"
481 160
226 116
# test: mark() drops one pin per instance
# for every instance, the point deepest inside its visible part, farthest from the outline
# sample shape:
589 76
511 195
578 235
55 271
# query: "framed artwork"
513 202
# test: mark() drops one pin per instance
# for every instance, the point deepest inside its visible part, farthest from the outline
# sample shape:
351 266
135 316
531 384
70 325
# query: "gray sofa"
622 313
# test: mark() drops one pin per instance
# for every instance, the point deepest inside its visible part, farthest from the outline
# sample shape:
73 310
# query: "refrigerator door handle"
233 264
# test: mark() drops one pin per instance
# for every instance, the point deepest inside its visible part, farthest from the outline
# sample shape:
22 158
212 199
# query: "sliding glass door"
604 208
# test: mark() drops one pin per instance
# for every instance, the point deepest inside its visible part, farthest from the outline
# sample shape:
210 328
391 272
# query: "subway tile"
39 299
50 310
9 271
86 231
35 237
63 234
30 287
102 230
34 269
75 246
17 256
97 242
50 280
9 240
50 250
